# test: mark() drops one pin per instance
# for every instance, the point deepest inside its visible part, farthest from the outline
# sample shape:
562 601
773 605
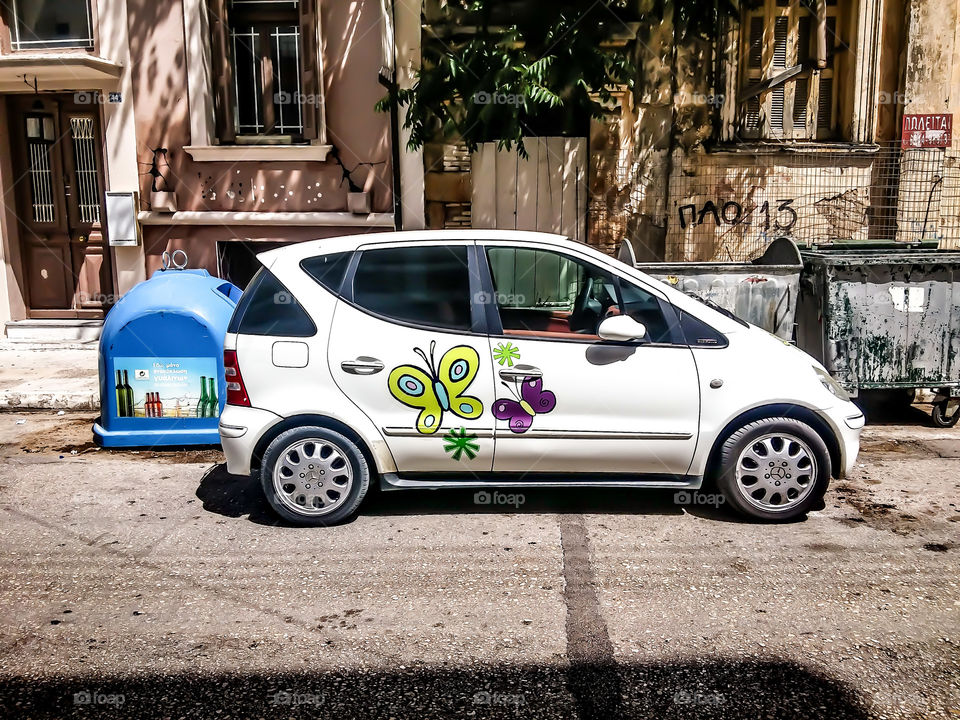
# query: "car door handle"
362 366
520 372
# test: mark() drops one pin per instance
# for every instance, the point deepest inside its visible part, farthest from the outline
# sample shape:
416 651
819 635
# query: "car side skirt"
437 481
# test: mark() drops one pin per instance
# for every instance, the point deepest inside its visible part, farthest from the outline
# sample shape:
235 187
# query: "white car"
490 359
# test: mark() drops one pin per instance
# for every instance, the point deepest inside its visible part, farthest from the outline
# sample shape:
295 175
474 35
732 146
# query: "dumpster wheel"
943 415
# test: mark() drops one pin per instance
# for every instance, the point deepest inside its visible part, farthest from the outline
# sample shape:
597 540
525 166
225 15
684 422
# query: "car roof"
347 243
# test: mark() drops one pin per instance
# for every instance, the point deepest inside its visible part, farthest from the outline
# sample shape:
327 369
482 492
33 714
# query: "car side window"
420 285
547 294
328 270
268 308
645 308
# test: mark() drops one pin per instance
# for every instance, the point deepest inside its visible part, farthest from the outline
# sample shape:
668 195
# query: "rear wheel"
314 476
774 469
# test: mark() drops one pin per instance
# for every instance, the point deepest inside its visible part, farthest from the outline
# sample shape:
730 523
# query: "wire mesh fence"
731 205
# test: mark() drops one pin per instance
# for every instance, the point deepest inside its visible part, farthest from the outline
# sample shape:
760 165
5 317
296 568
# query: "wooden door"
546 191
56 146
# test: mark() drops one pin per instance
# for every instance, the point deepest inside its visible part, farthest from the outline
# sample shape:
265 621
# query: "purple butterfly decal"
532 400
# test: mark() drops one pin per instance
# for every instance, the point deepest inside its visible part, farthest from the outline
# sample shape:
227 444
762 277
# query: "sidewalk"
47 376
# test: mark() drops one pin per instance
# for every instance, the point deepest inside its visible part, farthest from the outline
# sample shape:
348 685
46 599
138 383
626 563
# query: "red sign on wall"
927 131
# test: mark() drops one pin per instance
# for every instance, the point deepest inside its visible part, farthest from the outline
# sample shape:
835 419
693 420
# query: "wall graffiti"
780 217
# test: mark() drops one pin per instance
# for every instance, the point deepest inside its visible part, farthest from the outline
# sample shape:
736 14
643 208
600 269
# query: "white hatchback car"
489 359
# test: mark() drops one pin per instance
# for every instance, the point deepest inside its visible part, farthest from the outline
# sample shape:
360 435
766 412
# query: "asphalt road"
153 584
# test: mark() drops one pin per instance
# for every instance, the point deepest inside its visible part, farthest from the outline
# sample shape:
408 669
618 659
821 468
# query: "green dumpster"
885 317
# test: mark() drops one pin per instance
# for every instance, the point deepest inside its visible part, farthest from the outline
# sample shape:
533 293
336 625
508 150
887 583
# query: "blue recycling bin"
161 361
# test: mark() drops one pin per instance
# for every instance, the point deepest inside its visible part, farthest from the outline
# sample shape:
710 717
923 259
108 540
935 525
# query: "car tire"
314 476
773 469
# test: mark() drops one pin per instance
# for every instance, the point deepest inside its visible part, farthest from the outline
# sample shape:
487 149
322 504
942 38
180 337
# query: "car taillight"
236 392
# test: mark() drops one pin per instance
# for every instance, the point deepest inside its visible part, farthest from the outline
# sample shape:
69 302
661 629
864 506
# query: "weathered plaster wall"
660 177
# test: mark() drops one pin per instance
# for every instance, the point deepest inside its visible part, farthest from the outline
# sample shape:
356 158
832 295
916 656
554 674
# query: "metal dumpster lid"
880 254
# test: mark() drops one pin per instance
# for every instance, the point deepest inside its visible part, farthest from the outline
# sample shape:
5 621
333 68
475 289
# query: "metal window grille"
730 206
40 137
265 47
85 167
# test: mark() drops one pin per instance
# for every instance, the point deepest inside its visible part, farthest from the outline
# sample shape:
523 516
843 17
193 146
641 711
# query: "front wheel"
314 476
774 469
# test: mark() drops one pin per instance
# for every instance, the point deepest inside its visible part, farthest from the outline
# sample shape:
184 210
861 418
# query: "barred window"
265 63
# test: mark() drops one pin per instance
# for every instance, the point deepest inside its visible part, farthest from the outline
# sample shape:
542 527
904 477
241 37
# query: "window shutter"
310 73
801 92
222 70
780 30
756 42
825 106
776 111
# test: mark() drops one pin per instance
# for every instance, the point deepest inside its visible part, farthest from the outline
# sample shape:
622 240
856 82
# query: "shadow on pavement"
727 689
235 496
892 408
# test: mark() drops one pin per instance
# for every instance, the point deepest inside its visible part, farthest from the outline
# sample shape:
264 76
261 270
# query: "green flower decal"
459 443
506 354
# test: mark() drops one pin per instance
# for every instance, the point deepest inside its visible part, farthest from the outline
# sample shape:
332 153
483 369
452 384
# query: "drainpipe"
388 79
671 145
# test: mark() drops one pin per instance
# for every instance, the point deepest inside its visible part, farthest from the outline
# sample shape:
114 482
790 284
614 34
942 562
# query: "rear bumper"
240 430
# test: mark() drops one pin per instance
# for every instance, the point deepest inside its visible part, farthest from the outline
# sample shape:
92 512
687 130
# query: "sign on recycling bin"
154 387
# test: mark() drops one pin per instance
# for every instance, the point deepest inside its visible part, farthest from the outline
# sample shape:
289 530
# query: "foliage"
499 70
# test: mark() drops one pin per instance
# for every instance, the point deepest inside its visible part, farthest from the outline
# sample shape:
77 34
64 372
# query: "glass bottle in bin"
202 403
122 410
128 392
212 406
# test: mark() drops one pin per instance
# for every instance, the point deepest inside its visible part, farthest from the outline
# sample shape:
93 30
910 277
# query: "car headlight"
830 384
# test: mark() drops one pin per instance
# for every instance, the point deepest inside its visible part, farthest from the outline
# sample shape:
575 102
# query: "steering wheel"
581 308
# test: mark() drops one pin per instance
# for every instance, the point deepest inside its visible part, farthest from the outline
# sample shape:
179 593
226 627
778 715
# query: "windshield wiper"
720 309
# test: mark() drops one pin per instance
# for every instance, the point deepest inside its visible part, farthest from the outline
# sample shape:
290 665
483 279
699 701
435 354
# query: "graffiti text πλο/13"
732 213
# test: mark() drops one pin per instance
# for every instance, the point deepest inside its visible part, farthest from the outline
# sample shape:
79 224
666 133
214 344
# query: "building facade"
219 127
129 128
788 122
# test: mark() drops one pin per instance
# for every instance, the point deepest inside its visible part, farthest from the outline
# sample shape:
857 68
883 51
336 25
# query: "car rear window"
268 308
328 270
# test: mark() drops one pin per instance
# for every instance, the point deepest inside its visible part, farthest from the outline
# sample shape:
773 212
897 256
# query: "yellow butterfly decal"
438 389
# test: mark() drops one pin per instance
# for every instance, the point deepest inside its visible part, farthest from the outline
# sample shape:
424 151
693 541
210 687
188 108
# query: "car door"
407 346
568 401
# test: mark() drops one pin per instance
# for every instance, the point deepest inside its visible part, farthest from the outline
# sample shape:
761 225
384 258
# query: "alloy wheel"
776 472
313 477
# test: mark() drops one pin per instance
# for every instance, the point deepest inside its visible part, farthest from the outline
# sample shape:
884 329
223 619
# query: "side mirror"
621 328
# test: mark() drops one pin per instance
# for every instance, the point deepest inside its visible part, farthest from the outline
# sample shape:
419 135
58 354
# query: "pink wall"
351 50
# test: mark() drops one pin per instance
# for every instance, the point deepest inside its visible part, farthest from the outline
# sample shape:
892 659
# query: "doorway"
58 165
